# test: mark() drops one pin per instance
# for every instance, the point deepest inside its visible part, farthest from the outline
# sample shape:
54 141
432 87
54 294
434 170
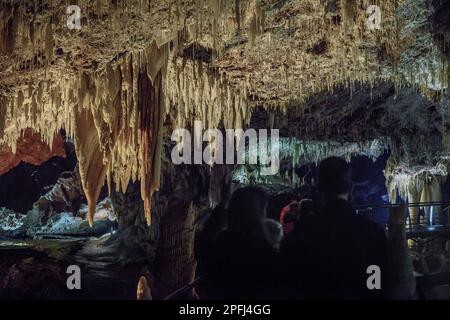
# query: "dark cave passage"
369 186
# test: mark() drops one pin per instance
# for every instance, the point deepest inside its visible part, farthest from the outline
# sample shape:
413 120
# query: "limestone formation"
136 66
30 149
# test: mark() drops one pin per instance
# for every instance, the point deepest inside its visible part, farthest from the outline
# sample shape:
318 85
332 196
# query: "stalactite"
195 91
422 186
349 12
92 164
150 104
256 24
315 151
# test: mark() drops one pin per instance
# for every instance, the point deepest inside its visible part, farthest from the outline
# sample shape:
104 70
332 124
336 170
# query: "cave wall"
30 149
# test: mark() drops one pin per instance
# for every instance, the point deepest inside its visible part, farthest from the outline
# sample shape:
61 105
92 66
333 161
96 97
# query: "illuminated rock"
133 68
30 149
143 291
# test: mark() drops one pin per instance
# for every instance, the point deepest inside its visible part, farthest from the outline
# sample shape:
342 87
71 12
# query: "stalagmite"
436 195
143 291
413 197
426 196
175 259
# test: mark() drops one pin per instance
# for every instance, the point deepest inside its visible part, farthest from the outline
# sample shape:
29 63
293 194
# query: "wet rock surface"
30 275
38 270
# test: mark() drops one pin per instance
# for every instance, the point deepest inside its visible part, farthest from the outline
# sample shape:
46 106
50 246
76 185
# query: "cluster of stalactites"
302 152
210 23
101 110
18 31
423 187
195 91
412 187
103 113
404 31
116 131
429 70
204 20
308 151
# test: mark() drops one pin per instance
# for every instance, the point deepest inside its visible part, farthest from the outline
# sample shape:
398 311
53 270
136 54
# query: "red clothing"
286 210
289 226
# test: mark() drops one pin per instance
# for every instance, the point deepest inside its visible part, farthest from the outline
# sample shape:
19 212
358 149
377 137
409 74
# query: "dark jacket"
328 253
241 267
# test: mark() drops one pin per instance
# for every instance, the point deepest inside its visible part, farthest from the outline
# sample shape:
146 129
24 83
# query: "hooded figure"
243 263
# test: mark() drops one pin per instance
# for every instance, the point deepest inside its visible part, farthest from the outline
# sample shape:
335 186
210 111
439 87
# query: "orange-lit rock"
30 149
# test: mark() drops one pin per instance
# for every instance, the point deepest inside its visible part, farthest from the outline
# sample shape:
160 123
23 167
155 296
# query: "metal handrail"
183 289
391 205
411 225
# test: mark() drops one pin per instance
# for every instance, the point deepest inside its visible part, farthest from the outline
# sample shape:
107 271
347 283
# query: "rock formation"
30 149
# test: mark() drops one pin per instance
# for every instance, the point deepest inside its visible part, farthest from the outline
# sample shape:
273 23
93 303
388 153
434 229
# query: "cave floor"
37 269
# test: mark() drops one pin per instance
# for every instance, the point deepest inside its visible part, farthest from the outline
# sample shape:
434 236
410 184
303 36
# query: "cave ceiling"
136 67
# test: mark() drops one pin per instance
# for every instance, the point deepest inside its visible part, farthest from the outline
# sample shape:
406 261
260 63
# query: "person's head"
306 207
247 210
334 178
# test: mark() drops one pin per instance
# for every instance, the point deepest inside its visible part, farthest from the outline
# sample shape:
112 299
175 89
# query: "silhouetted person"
211 229
242 263
328 253
292 212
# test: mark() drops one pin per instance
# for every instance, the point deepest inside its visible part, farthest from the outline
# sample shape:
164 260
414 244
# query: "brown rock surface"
30 149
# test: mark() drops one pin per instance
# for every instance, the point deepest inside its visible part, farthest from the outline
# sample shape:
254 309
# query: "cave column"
175 263
401 275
